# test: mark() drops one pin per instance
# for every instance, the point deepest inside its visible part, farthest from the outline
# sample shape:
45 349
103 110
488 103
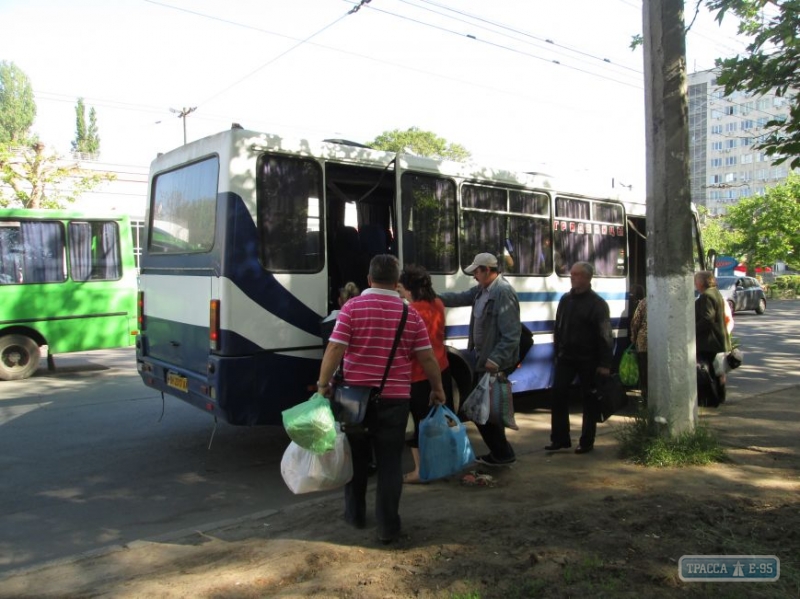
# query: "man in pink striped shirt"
364 334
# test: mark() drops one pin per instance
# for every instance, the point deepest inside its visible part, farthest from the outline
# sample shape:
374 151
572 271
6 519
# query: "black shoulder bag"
349 402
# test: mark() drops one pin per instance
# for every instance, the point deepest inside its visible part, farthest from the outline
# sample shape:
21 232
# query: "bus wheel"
19 357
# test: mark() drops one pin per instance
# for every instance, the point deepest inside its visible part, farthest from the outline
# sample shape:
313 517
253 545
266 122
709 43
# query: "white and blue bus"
249 238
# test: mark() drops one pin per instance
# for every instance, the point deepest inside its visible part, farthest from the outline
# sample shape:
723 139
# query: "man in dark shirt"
583 348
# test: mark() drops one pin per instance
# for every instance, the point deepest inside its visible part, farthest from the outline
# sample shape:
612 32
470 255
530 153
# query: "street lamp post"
182 114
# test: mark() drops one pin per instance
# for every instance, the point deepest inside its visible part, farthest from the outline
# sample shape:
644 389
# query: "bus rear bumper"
192 387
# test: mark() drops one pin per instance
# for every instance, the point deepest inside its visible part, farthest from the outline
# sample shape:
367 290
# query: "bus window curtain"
80 251
110 257
572 246
44 252
10 255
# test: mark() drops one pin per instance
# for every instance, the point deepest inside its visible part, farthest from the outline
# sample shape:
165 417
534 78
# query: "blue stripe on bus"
244 269
540 326
554 296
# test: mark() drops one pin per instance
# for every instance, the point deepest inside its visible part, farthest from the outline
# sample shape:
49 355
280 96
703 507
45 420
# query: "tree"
41 180
766 228
422 143
715 233
772 62
17 106
87 141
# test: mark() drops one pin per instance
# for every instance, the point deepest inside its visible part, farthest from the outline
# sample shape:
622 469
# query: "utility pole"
182 114
670 265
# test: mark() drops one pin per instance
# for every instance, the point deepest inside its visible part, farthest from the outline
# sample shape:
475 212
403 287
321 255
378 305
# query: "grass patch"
644 441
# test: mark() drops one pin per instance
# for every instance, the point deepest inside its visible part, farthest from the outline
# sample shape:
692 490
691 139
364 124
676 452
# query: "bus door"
360 222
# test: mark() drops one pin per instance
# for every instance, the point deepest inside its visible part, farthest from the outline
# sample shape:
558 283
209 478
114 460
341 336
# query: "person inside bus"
416 287
349 291
583 347
359 339
494 335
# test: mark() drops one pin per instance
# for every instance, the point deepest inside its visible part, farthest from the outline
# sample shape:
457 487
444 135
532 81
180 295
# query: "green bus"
67 281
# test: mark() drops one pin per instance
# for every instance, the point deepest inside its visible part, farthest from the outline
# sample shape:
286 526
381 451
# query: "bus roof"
242 142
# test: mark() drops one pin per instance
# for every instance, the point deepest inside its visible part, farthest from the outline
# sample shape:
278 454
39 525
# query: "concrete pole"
670 278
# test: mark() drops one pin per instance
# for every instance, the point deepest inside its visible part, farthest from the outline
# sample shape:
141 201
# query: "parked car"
742 293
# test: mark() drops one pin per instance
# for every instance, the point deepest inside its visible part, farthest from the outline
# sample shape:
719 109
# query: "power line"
269 62
503 47
547 41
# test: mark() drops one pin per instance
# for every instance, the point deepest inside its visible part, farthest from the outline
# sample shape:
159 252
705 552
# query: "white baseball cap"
484 259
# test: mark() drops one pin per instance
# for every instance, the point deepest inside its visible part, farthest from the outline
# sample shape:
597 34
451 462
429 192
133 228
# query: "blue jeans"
388 419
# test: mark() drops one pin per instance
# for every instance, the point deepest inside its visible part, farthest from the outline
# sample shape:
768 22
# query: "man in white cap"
494 333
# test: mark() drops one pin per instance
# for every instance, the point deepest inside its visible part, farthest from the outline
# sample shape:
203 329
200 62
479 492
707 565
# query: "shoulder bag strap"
394 345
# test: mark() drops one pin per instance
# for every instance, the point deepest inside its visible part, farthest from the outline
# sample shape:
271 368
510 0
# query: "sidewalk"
531 514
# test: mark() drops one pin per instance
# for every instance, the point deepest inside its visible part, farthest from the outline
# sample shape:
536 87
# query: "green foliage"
17 106
785 286
772 62
422 143
644 441
38 179
714 232
766 228
87 140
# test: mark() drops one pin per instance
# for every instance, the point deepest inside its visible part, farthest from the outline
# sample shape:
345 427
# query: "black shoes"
584 449
557 446
490 460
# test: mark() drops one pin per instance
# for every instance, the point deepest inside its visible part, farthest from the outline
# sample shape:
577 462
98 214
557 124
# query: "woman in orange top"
415 286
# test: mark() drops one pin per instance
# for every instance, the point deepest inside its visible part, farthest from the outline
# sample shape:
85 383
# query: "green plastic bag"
629 368
311 424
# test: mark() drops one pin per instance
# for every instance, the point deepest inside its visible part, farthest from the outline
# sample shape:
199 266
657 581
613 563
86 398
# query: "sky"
532 85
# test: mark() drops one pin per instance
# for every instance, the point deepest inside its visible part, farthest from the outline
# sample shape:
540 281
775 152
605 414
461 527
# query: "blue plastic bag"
444 448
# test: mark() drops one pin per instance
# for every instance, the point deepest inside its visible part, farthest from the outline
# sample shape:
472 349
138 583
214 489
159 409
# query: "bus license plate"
177 381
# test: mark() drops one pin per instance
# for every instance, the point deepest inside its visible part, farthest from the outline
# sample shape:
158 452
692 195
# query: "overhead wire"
549 42
503 47
357 6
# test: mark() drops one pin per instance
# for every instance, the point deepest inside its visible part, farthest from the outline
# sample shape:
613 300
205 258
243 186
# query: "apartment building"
723 132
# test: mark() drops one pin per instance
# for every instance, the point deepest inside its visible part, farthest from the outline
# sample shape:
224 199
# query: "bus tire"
19 357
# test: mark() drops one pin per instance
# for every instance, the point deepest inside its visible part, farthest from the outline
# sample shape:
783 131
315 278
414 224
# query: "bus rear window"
183 209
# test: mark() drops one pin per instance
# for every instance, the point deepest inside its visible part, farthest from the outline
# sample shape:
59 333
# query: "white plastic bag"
304 471
476 406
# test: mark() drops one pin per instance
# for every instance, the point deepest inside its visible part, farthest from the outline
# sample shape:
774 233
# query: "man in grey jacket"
494 333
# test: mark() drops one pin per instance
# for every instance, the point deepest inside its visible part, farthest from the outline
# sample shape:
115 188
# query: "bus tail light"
213 331
140 311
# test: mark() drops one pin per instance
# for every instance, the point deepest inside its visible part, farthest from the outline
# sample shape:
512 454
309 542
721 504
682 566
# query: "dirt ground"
552 526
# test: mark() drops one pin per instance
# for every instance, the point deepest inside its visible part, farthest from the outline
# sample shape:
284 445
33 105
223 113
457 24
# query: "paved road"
88 460
771 344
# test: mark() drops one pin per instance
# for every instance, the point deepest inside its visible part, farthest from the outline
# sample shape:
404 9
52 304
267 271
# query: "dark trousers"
566 371
386 440
494 435
641 360
420 401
